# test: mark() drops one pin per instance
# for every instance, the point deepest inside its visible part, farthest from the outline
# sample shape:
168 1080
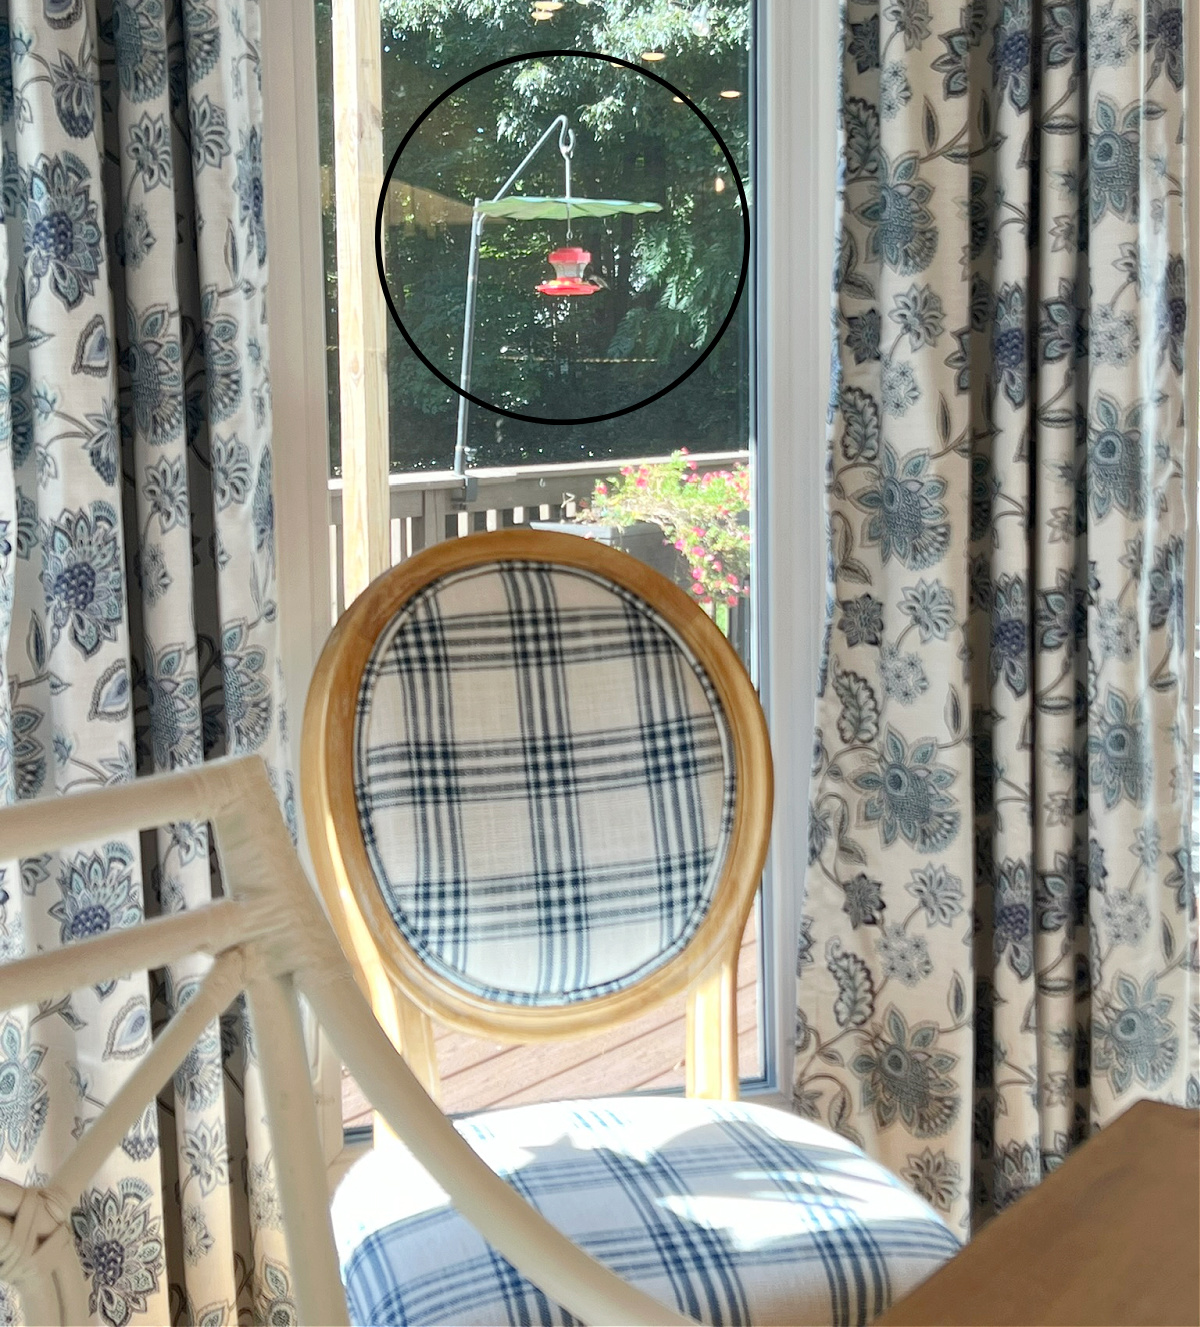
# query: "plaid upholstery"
544 781
731 1213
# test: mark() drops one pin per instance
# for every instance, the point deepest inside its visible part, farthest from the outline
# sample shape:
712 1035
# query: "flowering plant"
704 514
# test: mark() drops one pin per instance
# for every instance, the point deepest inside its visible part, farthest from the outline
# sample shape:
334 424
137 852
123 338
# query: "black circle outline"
582 419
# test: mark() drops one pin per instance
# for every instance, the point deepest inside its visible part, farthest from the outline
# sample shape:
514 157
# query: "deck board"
644 1053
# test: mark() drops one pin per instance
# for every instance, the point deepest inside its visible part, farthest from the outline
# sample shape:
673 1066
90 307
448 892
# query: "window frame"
795 183
793 106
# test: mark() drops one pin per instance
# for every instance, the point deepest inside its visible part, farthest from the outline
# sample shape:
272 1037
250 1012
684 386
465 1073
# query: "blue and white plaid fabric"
544 780
728 1212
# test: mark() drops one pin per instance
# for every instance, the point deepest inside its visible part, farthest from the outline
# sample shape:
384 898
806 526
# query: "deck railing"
428 506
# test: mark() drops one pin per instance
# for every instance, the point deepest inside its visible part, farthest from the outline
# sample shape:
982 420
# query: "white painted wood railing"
427 506
269 938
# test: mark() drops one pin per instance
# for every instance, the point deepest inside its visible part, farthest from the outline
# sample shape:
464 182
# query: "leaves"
954 712
232 264
855 1001
860 441
943 419
859 719
61 1008
957 998
849 568
35 642
839 1117
929 126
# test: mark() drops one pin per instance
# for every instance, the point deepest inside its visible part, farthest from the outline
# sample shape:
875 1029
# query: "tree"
670 278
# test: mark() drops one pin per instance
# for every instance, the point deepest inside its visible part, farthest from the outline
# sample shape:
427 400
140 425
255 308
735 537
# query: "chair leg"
711 1056
411 1032
296 1142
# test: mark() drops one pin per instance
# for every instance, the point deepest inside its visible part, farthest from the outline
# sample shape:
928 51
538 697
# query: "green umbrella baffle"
518 207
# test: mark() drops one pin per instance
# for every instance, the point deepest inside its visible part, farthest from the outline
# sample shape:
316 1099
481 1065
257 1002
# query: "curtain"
999 939
137 601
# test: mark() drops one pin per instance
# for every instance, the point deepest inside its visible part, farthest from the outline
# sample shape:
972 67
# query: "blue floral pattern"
24 1097
119 1242
137 599
999 944
61 229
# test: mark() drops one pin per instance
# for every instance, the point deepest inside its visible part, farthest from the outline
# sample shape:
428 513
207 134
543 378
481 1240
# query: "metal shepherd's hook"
566 145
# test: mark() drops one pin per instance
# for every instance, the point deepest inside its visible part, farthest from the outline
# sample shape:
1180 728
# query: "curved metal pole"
566 145
468 343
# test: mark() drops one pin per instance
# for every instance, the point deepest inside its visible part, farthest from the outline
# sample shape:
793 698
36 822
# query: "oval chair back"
538 787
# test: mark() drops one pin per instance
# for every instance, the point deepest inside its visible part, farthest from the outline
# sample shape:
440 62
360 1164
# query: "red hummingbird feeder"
569 266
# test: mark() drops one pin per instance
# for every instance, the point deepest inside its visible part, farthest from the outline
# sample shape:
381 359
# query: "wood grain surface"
1112 1237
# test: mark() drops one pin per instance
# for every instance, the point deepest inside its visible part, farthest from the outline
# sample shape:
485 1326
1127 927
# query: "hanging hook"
566 145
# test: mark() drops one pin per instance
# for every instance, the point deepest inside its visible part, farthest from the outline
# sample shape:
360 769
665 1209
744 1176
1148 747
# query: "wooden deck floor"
645 1053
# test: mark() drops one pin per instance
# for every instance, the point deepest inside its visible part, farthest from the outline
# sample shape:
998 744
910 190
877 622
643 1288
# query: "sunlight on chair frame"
269 938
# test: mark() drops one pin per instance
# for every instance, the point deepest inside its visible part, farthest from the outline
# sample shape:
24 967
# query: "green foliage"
669 277
706 515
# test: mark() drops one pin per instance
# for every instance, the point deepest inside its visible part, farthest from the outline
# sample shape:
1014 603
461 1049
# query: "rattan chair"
269 938
537 785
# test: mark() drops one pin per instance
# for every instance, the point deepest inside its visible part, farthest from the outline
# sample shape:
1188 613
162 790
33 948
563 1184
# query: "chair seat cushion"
732 1213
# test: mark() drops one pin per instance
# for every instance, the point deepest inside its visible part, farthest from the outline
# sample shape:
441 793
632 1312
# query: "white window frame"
797 45
796 76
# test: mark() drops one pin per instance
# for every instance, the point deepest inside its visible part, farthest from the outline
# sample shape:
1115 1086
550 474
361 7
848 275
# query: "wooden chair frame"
406 994
269 938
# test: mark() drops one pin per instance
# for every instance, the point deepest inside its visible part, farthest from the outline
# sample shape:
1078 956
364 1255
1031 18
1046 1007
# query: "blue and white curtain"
999 940
137 600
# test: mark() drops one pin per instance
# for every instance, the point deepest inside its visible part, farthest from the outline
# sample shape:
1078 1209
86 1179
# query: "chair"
537 785
269 938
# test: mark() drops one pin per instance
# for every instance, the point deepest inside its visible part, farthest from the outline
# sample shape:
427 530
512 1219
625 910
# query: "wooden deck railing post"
362 323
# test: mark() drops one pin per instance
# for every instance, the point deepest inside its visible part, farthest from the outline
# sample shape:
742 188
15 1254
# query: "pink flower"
602 489
732 580
641 481
693 465
732 601
683 451
697 574
716 566
679 545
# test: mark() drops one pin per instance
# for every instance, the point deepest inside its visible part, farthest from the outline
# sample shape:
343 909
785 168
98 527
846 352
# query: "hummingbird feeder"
569 266
569 263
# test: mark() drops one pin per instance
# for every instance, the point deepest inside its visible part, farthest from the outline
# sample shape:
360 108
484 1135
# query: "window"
548 474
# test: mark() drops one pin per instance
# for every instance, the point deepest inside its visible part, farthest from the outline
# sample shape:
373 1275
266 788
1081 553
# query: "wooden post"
362 326
711 1061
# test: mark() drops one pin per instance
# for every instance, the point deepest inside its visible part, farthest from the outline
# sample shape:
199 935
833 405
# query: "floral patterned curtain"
137 600
999 941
